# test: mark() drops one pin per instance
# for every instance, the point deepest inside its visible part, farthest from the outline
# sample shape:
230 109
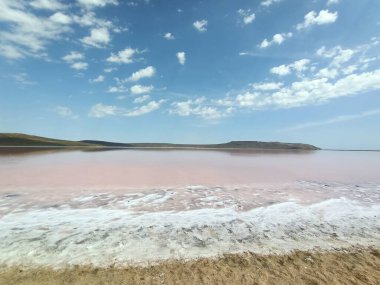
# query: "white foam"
98 236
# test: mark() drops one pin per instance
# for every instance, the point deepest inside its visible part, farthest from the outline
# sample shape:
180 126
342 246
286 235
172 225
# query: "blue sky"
192 71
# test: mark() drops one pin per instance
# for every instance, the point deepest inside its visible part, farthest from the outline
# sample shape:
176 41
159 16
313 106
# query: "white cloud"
141 89
60 18
169 36
96 3
75 59
47 4
123 56
65 112
349 69
141 99
117 89
181 56
267 86
79 65
98 79
309 91
23 78
267 3
73 56
197 107
327 73
332 2
322 18
26 34
281 70
100 110
299 66
338 54
338 119
142 73
145 109
109 69
276 39
201 25
247 16
89 19
99 37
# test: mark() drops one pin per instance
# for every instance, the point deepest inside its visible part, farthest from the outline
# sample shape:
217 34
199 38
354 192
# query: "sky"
192 71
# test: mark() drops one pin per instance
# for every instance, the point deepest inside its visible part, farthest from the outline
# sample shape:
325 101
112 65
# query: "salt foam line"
103 237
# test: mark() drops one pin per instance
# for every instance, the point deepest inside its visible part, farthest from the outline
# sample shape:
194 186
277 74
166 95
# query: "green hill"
28 141
15 139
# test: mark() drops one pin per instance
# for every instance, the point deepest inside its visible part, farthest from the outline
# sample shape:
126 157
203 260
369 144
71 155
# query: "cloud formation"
123 56
142 73
247 16
277 39
313 18
201 25
181 56
101 110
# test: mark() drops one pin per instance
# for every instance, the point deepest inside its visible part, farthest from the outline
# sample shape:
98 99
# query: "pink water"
131 206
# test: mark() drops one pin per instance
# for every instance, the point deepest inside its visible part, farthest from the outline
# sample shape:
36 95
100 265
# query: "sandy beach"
353 266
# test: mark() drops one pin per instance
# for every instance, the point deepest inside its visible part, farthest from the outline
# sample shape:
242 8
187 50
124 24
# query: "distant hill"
229 145
7 139
28 140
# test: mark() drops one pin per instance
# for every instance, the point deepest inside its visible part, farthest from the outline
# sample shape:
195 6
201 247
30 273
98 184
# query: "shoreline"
358 265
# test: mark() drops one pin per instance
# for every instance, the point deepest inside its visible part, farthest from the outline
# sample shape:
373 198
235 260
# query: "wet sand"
354 266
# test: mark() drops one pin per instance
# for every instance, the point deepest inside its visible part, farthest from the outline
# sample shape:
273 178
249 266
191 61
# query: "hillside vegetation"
28 141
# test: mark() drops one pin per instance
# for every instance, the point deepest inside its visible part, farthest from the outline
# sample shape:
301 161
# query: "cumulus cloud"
141 89
27 34
76 60
201 25
98 79
332 2
109 69
266 86
101 110
65 112
142 73
247 16
268 3
60 18
312 18
141 99
308 91
276 39
145 109
338 54
79 65
327 73
299 66
198 107
99 37
73 56
181 56
47 5
169 36
123 56
117 89
89 4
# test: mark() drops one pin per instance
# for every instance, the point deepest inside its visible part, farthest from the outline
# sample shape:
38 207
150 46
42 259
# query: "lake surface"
68 206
